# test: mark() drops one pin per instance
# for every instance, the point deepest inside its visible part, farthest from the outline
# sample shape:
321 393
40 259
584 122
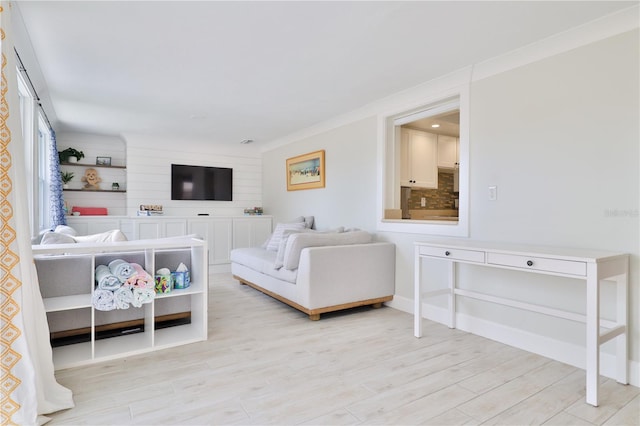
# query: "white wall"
348 198
559 137
149 160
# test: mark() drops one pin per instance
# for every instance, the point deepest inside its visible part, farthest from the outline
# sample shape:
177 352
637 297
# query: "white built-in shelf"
96 190
66 303
92 165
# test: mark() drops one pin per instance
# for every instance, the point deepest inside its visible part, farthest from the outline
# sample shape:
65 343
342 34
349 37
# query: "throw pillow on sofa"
308 223
276 237
279 262
299 241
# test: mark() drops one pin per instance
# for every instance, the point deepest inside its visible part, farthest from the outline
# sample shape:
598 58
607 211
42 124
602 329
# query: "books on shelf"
150 210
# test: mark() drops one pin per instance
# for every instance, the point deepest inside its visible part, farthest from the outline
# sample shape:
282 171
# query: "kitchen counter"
443 214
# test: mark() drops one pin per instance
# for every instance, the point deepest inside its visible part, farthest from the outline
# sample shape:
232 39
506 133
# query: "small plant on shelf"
65 156
66 178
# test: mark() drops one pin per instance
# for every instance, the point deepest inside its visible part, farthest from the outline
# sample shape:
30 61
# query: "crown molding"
607 26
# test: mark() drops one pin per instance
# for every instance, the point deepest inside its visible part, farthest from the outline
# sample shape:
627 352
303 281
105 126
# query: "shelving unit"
57 263
93 165
95 190
84 165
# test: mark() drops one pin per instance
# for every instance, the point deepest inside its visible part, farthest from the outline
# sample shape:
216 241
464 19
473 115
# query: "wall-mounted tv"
201 183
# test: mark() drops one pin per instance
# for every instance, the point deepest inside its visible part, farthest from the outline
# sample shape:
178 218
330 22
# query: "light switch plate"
493 193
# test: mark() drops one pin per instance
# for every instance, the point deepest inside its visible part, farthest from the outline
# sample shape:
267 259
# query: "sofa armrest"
335 275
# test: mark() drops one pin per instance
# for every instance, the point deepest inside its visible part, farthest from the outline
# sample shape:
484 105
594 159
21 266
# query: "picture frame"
103 161
306 171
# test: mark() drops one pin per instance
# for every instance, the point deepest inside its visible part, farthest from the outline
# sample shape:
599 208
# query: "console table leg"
417 296
622 319
593 332
452 294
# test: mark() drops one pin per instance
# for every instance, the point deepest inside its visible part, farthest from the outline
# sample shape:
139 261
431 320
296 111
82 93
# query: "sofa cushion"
274 241
255 258
261 260
299 241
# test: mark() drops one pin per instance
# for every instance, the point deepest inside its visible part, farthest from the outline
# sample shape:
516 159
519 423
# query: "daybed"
318 272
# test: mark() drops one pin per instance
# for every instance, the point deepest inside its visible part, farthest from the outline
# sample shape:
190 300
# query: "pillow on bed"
67 230
103 237
56 238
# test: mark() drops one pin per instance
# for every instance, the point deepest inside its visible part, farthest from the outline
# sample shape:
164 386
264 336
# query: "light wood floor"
266 363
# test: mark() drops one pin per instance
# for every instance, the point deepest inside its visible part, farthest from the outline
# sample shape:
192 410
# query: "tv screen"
201 183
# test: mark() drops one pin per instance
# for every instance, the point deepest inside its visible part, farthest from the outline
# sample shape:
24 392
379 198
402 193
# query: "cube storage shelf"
66 273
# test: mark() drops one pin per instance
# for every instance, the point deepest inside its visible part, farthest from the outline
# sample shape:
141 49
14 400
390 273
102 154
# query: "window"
426 165
27 115
36 135
44 178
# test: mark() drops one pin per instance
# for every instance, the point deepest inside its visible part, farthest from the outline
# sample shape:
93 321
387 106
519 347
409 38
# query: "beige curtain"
28 382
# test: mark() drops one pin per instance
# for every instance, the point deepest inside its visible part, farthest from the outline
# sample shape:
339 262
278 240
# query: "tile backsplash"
441 198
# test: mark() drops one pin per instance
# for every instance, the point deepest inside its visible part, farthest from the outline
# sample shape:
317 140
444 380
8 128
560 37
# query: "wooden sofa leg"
377 305
314 317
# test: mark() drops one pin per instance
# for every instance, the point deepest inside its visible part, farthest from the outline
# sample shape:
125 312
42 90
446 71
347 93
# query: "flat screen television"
201 183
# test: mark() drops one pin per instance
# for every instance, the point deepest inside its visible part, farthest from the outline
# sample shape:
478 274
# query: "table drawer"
533 263
453 253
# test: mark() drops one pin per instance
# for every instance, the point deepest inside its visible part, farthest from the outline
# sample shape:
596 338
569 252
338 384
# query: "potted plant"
70 155
66 178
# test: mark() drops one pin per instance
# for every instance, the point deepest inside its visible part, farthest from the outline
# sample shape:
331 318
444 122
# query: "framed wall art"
103 161
306 171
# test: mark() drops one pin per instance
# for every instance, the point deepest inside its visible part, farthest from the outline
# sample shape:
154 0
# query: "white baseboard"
220 269
567 353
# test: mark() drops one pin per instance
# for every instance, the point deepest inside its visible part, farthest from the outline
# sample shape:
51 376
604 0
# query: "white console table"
590 265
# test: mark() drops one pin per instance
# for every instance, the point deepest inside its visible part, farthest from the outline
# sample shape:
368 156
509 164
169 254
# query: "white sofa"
319 272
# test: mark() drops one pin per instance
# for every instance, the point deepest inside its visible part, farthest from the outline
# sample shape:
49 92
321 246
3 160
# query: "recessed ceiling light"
435 126
246 141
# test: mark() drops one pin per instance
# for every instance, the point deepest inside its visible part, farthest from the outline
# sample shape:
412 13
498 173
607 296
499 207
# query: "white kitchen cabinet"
448 156
66 274
419 162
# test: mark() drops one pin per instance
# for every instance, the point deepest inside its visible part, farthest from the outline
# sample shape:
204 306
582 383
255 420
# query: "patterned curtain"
29 387
56 199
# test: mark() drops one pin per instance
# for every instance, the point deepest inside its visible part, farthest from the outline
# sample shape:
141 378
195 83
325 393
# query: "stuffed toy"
92 179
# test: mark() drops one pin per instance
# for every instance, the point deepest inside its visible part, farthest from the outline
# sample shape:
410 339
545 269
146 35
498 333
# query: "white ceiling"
228 71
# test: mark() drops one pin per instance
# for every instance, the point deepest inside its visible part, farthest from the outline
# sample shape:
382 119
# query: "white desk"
590 265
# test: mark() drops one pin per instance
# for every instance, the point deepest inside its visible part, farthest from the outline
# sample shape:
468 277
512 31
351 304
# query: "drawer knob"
447 253
529 262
